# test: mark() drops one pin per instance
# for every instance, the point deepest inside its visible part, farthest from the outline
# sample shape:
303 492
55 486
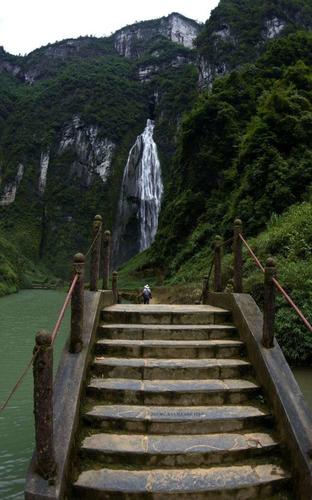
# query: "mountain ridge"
26 67
97 104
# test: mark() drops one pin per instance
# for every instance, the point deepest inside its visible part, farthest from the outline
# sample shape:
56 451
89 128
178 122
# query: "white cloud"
29 24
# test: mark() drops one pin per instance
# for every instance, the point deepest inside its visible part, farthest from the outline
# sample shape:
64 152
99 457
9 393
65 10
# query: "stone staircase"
172 410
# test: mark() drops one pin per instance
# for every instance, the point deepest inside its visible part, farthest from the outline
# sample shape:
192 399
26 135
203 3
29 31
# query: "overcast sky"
28 24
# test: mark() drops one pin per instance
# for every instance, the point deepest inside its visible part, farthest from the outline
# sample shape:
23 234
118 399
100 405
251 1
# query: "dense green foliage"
90 81
8 266
243 150
289 239
240 148
17 271
244 26
105 95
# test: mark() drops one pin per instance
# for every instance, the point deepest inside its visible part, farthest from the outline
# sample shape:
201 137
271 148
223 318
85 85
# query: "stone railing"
43 352
271 284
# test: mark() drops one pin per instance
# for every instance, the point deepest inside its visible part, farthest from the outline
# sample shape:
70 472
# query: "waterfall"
149 187
140 198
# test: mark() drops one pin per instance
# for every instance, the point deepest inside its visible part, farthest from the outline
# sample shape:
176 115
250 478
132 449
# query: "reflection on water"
21 316
304 379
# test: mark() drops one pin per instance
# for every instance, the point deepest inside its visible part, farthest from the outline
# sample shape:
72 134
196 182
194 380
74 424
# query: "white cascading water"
141 191
150 188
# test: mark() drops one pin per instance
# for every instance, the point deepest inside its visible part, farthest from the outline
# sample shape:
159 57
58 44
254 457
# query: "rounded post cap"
115 273
98 218
218 242
43 338
270 262
107 233
238 222
79 258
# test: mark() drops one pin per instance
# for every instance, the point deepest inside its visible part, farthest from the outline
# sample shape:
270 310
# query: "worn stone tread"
165 314
169 343
181 386
175 413
151 444
167 331
164 308
169 363
141 326
213 479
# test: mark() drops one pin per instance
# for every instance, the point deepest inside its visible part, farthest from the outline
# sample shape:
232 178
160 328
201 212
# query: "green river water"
21 316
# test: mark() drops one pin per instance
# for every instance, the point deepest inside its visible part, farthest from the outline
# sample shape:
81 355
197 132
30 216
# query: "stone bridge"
170 401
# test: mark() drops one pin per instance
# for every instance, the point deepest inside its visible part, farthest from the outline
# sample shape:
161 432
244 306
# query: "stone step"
167 369
166 332
173 392
165 314
232 482
177 419
177 450
170 348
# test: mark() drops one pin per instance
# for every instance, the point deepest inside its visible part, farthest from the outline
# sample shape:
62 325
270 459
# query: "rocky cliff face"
73 130
10 188
236 33
44 165
10 64
147 71
93 154
129 42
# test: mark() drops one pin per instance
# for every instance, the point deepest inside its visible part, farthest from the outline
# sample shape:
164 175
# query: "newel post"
43 405
238 257
269 304
205 291
95 253
106 259
77 303
115 287
217 264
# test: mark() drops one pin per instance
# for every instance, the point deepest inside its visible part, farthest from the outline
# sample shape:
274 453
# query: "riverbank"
18 272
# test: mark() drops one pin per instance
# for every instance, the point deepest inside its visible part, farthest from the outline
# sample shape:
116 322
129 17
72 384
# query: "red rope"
279 287
18 382
62 312
293 305
55 329
257 261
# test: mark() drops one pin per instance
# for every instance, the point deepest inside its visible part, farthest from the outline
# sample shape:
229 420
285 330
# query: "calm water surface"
21 316
304 379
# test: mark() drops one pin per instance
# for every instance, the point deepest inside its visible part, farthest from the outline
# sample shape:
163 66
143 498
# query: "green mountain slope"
76 107
238 30
70 112
243 150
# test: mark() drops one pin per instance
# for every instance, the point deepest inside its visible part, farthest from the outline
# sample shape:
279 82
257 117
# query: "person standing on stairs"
146 294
